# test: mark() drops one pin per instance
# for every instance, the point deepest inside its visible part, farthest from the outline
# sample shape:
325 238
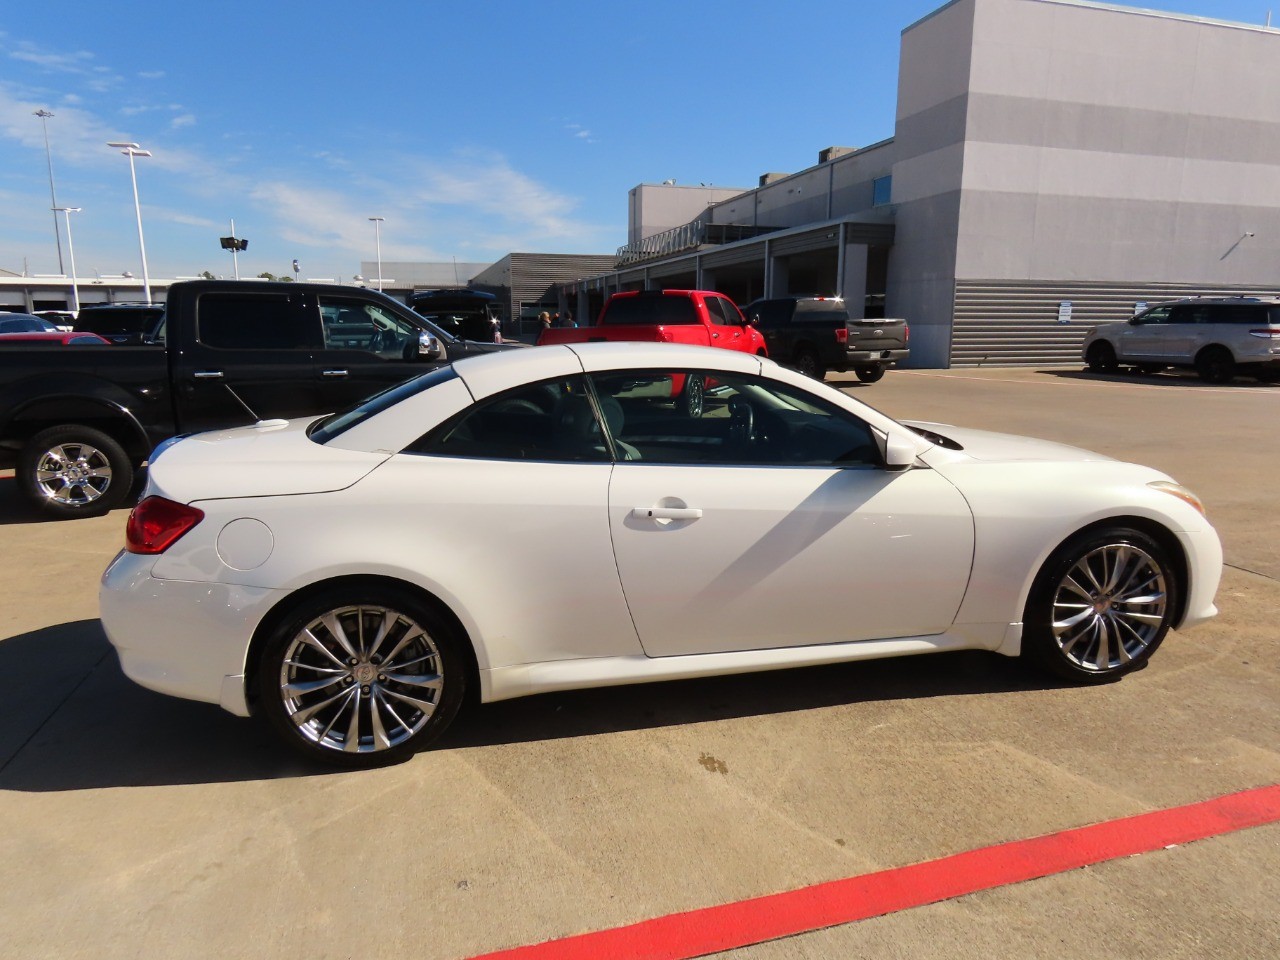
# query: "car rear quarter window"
658 310
552 421
339 423
1239 313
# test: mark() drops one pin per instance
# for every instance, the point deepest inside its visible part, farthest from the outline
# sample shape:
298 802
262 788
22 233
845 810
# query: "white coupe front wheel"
1101 605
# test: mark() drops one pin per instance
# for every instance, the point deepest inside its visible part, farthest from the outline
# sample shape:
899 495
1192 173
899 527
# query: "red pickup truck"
699 317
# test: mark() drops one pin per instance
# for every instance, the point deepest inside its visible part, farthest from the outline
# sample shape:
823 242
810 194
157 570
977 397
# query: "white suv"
1219 337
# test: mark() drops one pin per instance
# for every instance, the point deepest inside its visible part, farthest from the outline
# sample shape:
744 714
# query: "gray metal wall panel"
1015 323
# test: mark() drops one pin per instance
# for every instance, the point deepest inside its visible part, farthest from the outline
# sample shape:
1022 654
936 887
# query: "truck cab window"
239 321
351 324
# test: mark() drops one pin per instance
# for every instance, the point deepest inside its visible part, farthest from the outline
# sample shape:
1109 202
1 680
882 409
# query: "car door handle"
333 373
666 513
208 374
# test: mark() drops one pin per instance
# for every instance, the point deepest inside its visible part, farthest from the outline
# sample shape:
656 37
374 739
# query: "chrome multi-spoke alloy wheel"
361 679
1109 607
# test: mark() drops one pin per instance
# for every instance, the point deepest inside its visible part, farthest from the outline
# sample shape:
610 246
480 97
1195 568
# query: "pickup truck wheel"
806 361
74 471
693 397
869 374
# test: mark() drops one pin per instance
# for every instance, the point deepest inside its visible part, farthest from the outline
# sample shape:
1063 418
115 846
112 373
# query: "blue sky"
474 128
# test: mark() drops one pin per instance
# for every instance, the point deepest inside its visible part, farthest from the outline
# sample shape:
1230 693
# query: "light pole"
44 116
377 232
131 150
71 254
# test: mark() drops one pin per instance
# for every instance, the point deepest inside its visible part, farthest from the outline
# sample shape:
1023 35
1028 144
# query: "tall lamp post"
71 254
377 232
131 150
44 116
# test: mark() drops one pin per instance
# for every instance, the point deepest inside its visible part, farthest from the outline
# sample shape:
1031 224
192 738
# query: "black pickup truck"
76 424
816 334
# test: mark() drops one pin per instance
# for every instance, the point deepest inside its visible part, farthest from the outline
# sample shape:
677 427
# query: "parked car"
55 336
62 319
696 317
126 323
25 323
816 334
78 426
465 313
549 519
1219 337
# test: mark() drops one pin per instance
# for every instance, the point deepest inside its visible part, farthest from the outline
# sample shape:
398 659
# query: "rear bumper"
179 637
861 358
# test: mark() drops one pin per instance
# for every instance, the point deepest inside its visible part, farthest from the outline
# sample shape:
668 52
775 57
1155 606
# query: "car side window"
353 324
550 421
723 312
1154 316
262 321
717 418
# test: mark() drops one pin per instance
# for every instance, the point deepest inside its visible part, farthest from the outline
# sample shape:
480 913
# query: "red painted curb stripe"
681 936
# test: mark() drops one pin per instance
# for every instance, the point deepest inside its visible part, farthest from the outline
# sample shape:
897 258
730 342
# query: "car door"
765 520
728 329
251 358
367 348
1143 338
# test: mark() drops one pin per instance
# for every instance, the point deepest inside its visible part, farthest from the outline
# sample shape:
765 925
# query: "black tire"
1076 624
422 697
1101 357
1215 365
806 361
74 471
869 374
693 397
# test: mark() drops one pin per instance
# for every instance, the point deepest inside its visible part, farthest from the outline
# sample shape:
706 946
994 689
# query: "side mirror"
899 451
429 346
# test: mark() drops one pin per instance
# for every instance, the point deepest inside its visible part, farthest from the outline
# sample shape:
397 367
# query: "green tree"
207 275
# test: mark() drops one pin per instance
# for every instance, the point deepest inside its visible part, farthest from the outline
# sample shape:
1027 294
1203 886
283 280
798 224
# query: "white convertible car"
608 513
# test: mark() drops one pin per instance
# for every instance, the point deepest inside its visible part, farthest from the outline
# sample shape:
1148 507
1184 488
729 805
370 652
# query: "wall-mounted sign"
1139 307
1064 311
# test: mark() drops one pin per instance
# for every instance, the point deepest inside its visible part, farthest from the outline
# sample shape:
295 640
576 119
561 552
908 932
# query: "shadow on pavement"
12 507
71 720
1168 378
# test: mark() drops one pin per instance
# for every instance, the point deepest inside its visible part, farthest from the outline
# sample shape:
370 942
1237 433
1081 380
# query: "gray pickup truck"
816 334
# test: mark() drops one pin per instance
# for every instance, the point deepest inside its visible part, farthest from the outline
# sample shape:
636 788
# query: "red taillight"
906 333
156 524
842 334
1272 333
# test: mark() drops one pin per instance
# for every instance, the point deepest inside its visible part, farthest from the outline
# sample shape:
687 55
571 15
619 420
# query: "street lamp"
71 253
131 150
44 116
235 245
377 230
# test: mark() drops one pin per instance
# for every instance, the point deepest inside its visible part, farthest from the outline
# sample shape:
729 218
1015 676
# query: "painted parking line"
681 936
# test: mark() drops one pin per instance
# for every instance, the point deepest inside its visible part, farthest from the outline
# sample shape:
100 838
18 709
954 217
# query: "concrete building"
1054 163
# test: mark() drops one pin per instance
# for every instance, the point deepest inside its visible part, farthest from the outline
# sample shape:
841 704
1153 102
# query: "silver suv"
1218 337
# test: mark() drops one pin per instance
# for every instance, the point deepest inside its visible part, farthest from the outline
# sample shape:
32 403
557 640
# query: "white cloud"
183 120
151 74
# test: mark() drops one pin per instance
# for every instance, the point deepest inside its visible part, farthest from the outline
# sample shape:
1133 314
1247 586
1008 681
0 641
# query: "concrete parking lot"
138 825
